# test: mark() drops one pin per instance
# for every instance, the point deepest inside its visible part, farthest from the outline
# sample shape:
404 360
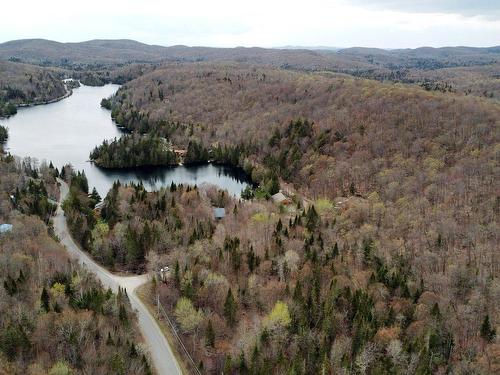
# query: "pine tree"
122 314
242 364
210 335
488 333
335 251
228 365
230 308
352 189
109 341
435 312
45 300
177 274
95 196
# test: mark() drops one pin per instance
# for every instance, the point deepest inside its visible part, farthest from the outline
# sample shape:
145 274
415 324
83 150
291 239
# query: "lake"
66 131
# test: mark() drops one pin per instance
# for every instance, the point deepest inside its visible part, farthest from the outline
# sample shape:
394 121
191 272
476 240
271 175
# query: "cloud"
484 8
264 23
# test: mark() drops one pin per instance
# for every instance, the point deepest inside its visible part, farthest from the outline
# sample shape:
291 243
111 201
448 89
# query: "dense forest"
120 237
132 151
55 318
401 179
297 290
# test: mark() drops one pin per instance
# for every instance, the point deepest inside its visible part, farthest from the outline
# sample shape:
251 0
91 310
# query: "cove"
66 131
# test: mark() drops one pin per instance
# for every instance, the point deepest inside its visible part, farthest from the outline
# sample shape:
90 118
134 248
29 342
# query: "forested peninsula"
134 151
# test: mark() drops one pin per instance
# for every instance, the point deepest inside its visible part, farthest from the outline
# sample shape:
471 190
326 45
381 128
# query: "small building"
99 206
219 213
280 198
5 228
180 152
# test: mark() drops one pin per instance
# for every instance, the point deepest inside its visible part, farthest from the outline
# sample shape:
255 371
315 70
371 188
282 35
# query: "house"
180 152
280 198
5 228
219 213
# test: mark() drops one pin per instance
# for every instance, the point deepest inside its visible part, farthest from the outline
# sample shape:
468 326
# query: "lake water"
66 131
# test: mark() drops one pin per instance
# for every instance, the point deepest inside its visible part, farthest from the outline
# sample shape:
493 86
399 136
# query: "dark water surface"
66 132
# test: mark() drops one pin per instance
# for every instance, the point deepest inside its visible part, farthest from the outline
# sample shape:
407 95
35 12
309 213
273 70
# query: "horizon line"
284 47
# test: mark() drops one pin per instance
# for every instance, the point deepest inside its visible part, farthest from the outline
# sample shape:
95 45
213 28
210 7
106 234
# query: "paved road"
163 359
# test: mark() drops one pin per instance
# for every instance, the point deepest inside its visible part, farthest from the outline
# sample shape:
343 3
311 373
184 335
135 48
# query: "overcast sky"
265 23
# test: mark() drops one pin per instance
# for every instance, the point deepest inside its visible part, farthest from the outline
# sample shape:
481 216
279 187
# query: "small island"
134 150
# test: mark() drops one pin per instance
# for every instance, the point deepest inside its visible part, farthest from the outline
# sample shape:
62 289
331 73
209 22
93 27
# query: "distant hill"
47 52
108 52
415 66
425 57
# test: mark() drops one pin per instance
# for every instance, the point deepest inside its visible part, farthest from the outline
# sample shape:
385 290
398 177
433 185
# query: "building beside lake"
280 198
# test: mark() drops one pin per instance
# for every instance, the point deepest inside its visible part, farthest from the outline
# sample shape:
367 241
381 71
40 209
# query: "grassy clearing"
323 205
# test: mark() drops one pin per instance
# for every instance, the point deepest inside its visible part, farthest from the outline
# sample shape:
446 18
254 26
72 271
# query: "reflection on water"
66 132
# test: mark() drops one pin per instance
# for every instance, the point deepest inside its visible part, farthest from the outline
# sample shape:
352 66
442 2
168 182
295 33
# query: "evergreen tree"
488 333
95 196
228 365
45 300
335 251
230 308
122 314
210 335
352 189
177 274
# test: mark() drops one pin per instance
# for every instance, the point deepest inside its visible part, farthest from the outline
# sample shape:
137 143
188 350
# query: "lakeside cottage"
280 198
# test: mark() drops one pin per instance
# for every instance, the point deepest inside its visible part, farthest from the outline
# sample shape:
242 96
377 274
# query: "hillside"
418 65
55 317
27 84
392 234
426 57
46 52
97 53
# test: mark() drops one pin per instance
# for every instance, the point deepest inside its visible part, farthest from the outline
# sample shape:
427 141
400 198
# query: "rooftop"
219 212
4 228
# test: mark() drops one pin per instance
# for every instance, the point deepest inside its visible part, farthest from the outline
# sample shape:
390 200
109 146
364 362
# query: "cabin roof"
279 197
4 228
219 212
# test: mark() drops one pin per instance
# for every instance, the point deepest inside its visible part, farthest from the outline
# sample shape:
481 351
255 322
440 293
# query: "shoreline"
55 100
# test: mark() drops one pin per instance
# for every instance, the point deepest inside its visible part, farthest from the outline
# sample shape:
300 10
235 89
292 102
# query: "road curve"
163 358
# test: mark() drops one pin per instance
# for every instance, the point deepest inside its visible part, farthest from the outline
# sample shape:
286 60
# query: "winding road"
163 358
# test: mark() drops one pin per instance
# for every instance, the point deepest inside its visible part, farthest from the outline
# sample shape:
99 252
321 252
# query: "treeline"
27 84
55 317
133 151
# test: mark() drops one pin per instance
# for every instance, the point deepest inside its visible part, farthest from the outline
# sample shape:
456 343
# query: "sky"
263 23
